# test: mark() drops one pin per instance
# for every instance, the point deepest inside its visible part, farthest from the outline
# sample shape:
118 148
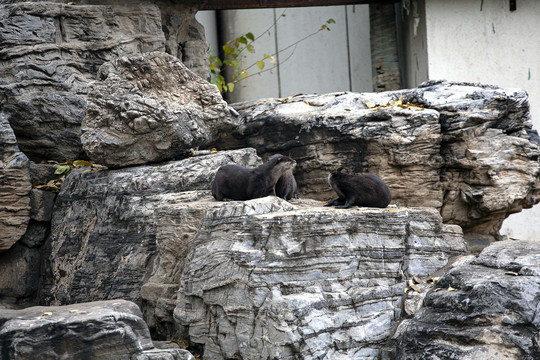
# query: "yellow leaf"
369 105
451 288
260 64
511 273
392 210
46 314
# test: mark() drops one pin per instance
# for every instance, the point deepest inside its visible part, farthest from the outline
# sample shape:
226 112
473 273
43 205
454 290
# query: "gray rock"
124 233
99 330
41 204
149 108
15 187
50 51
49 54
486 308
270 279
468 149
19 275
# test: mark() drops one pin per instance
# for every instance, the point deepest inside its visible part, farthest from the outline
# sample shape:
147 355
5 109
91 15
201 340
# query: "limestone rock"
149 108
467 149
114 232
49 53
99 330
15 188
268 279
486 308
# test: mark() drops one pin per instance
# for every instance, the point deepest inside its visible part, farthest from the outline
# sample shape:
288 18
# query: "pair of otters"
275 177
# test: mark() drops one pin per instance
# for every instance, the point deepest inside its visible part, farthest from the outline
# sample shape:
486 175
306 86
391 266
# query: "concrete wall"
480 41
336 60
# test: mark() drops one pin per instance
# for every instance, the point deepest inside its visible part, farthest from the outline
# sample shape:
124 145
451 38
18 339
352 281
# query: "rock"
270 279
41 204
49 54
19 276
15 187
485 308
99 330
124 233
50 51
468 149
149 108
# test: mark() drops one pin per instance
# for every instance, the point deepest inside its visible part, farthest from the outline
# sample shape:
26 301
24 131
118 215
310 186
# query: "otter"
286 187
362 190
239 183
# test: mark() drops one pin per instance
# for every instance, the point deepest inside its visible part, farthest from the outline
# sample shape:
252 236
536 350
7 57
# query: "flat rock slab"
150 108
486 308
269 279
97 330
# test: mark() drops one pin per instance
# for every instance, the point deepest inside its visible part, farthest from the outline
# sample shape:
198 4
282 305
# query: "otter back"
362 190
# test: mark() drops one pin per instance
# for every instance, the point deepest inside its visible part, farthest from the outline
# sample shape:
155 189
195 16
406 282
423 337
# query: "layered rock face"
122 234
150 108
467 149
51 51
485 308
98 330
14 188
268 279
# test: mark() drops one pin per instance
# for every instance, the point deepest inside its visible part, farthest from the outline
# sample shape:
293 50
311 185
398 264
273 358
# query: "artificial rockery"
123 253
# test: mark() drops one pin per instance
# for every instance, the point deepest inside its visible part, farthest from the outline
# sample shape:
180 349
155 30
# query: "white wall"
482 41
336 60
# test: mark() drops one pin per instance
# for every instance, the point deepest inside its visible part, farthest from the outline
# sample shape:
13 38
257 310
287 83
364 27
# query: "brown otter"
239 183
362 190
286 187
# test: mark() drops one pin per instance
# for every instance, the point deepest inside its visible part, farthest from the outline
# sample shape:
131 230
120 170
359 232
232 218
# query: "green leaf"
251 49
250 36
271 58
260 64
231 87
62 169
243 40
330 21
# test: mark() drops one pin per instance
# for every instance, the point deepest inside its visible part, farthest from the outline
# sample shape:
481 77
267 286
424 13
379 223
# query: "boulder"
15 188
150 108
124 233
268 279
485 308
49 53
467 149
96 330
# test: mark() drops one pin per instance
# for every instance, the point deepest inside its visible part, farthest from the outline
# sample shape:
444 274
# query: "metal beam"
260 4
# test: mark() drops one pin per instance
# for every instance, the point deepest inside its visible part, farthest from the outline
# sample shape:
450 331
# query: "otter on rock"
362 190
286 187
239 183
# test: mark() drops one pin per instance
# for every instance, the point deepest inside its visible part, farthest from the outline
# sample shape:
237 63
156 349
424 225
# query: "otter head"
285 162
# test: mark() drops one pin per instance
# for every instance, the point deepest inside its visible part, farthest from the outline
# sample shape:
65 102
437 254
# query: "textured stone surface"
49 54
15 188
470 152
491 313
149 108
50 51
269 279
114 232
99 330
